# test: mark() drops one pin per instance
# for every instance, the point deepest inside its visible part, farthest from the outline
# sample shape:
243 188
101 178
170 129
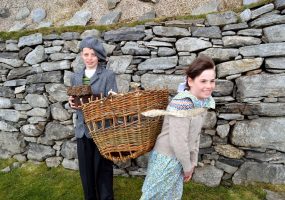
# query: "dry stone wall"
242 140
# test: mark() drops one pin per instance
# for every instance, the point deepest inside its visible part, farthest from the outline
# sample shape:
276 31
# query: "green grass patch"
38 182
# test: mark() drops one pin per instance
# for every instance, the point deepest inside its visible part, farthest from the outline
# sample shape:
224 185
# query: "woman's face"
89 58
203 85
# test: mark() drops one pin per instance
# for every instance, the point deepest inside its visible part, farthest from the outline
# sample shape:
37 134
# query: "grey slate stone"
36 100
165 51
11 142
251 172
170 31
208 175
47 77
133 48
12 62
158 63
80 18
238 66
275 33
57 92
279 4
69 150
69 36
59 113
119 64
219 19
151 81
235 26
208 32
5 103
123 82
275 63
191 44
91 33
125 34
39 152
272 85
223 88
254 133
265 109
264 9
264 50
250 32
220 54
10 115
110 18
30 40
36 56
56 131
268 20
32 130
245 15
70 164
237 41
6 92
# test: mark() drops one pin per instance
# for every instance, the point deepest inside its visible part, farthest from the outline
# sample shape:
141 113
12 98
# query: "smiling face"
203 85
90 58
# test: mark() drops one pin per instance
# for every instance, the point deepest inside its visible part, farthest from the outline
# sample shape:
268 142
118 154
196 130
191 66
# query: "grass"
37 182
127 23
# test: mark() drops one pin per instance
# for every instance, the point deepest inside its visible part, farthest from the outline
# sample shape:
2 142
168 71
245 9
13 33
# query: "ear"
190 82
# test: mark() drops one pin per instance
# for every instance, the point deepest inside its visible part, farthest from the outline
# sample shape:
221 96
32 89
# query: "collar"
205 103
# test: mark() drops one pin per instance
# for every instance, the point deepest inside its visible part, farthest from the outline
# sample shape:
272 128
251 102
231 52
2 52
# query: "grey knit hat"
96 45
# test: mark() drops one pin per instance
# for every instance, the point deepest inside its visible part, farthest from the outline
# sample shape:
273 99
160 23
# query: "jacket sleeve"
194 152
178 135
72 80
111 83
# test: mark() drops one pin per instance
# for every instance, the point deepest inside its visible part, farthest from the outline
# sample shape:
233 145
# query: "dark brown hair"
200 64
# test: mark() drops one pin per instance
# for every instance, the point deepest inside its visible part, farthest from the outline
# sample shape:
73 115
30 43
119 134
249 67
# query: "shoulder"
180 102
107 72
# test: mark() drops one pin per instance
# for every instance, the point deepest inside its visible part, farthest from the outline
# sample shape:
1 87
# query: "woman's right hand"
188 175
71 103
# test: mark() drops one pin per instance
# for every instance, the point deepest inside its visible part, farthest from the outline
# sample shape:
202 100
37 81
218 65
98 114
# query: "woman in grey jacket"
96 172
175 153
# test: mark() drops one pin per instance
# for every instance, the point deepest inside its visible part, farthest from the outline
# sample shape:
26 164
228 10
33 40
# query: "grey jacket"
102 81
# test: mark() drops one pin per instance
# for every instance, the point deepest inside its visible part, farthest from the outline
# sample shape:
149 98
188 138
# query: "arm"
71 98
195 151
178 135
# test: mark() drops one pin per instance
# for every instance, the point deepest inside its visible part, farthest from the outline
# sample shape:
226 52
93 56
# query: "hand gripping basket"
117 126
81 94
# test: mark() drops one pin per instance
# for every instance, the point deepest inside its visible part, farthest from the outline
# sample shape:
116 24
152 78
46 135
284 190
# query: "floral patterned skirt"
164 180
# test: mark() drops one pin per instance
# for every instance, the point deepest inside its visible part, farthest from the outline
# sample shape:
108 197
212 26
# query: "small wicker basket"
81 94
117 126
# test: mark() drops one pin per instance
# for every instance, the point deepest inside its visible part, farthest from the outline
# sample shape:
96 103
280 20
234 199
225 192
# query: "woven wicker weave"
81 94
117 126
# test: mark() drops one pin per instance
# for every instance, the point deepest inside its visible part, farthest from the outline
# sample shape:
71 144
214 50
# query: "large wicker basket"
117 126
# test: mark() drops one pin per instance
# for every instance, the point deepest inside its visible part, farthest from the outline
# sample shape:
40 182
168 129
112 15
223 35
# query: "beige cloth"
180 137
